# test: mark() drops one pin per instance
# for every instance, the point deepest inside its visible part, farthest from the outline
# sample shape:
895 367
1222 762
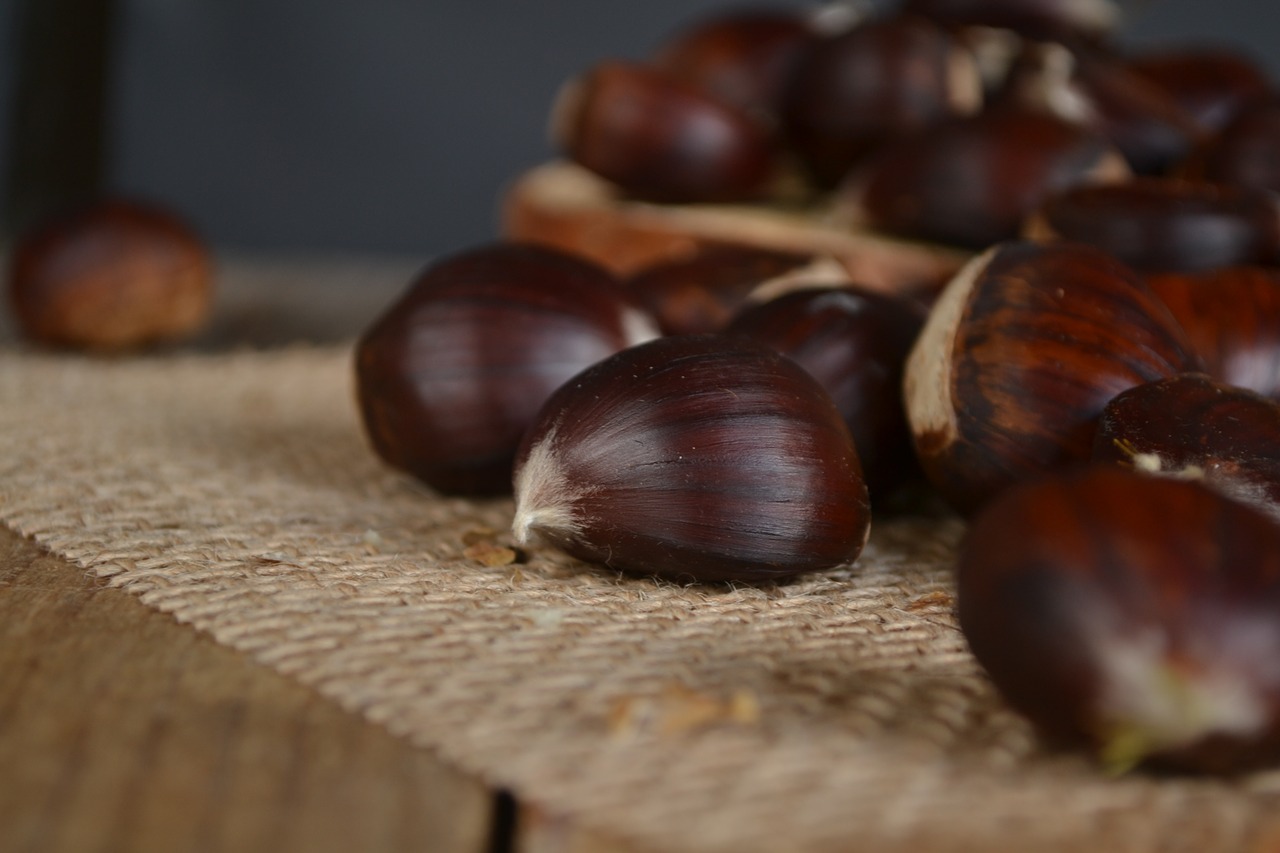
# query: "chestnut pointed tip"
545 497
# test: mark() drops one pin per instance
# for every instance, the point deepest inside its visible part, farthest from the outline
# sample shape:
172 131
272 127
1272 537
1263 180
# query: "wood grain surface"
121 730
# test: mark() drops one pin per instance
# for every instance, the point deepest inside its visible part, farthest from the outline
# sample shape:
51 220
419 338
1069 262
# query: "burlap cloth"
842 712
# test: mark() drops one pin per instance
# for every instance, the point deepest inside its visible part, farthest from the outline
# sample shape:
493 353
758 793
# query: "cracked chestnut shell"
694 458
116 274
453 372
1192 427
1018 357
1135 616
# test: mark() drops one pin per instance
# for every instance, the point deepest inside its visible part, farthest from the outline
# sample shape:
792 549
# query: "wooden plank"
121 730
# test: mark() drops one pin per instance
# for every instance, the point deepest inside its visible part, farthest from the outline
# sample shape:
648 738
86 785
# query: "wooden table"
122 730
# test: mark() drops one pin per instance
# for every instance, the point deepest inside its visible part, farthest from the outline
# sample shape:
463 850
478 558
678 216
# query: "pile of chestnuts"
1093 387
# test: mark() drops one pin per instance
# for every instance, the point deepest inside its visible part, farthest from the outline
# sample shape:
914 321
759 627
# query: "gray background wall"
392 126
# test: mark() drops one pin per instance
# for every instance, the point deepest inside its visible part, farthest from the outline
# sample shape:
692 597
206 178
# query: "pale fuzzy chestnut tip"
545 498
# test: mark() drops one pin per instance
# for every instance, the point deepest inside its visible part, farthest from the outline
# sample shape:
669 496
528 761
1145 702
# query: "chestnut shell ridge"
1132 615
694 458
1018 357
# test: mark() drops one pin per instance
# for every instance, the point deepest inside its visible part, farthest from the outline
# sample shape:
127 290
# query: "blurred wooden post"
60 123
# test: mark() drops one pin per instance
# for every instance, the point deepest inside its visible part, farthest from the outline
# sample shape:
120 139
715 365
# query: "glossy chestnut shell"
742 56
1192 427
972 181
661 139
877 81
855 343
1132 615
1243 151
452 373
1018 357
694 458
1232 318
1209 83
702 291
115 274
1165 224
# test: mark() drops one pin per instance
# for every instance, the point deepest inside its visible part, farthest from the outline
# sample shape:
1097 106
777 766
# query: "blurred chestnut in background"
1165 224
972 181
453 372
1052 20
1191 427
1131 615
116 274
694 457
878 80
1019 356
662 139
1209 83
855 343
741 55
1097 90
702 291
1232 318
1243 151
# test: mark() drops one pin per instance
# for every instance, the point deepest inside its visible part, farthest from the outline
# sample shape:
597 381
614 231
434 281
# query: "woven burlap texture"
840 712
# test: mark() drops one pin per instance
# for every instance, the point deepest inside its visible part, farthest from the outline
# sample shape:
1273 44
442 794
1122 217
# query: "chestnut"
662 139
1232 317
1018 357
1243 151
1209 83
1165 224
112 275
855 343
741 55
1144 122
1134 616
694 458
1051 20
877 81
452 373
972 181
702 291
1192 427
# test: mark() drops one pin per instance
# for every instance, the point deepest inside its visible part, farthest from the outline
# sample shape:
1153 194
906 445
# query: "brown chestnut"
1192 427
452 373
702 291
1243 151
878 80
1232 317
1165 224
972 181
1019 356
1135 616
694 458
112 275
662 139
1209 83
1052 20
855 343
741 55
1144 122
